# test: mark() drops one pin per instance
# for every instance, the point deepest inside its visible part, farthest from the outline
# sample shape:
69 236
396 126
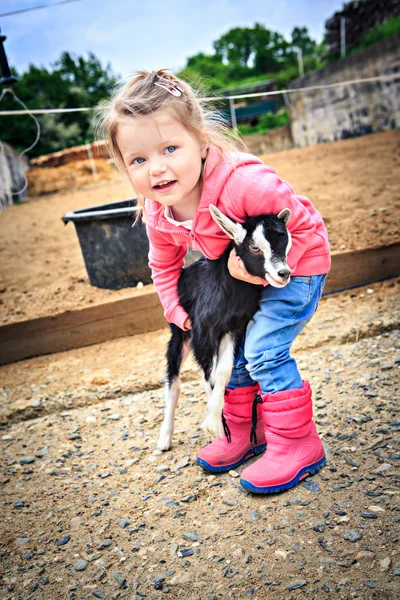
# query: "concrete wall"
274 140
348 110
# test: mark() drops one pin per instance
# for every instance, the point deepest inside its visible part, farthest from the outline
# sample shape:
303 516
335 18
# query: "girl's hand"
187 324
237 269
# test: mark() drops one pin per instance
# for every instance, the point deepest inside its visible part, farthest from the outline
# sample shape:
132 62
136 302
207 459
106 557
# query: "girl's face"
163 161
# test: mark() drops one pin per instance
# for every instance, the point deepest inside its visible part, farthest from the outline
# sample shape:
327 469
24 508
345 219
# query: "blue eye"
170 149
138 161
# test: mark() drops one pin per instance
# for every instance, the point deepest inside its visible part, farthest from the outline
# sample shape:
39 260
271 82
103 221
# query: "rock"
105 544
230 502
22 541
382 468
123 523
27 460
191 536
296 584
80 565
63 540
311 486
368 515
301 502
281 554
19 504
99 593
234 474
42 452
254 515
364 555
180 578
385 564
114 417
352 535
120 579
183 463
319 528
350 461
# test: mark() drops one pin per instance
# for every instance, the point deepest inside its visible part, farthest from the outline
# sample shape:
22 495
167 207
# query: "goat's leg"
213 422
210 381
177 352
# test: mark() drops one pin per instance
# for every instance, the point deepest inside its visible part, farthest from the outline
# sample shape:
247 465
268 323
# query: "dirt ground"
353 183
91 509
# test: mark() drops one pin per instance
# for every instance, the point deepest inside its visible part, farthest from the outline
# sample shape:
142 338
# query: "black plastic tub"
115 253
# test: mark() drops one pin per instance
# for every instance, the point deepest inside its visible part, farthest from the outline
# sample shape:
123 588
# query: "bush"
265 123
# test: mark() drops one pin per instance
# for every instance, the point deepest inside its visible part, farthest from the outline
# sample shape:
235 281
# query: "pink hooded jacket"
241 186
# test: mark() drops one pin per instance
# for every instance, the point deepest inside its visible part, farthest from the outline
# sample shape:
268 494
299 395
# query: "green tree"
302 41
72 82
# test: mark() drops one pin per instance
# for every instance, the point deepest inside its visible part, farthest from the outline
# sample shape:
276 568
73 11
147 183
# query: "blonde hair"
141 97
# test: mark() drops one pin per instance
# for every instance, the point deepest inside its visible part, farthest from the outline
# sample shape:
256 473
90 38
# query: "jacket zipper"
185 233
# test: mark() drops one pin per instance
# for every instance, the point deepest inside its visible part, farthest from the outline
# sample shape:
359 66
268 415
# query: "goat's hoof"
164 441
213 426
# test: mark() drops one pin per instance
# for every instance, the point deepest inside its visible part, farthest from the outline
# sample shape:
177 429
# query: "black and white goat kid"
220 307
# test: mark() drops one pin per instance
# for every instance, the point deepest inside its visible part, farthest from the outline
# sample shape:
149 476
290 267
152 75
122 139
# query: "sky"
145 34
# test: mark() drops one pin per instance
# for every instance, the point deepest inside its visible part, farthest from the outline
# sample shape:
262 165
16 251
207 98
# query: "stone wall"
274 140
348 110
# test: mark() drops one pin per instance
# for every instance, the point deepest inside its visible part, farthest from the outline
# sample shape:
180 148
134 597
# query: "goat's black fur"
216 302
220 307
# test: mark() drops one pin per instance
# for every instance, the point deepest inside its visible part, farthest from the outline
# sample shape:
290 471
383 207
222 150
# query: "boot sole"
310 470
222 468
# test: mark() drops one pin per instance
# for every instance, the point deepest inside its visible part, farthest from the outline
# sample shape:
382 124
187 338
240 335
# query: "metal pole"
92 161
300 61
233 114
5 74
342 37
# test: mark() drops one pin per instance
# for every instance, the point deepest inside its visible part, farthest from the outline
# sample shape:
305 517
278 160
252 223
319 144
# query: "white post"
233 114
300 61
92 161
342 37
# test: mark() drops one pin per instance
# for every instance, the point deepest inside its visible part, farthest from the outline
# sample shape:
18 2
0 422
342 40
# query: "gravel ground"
91 509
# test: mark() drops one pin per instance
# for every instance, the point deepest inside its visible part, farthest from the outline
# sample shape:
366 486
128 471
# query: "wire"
40 6
43 111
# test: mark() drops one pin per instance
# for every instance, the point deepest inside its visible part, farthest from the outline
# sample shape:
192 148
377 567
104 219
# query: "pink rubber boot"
244 432
294 449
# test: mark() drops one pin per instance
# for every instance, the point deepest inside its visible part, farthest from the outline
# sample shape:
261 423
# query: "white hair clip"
169 85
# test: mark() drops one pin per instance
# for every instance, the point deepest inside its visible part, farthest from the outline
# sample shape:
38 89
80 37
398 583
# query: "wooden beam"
360 267
142 312
82 327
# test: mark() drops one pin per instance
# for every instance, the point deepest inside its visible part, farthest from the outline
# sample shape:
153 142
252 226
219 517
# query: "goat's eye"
255 249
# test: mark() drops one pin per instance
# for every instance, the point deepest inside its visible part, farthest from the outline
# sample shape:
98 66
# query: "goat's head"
262 243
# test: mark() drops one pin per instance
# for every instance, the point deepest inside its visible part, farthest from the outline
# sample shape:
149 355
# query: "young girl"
179 161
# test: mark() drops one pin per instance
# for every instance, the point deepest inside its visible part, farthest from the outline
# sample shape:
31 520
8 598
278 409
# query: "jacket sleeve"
166 261
256 189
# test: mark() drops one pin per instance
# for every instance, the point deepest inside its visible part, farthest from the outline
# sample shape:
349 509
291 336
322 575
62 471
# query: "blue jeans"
264 354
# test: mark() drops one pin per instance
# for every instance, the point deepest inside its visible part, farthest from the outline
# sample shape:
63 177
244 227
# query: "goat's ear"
234 230
285 215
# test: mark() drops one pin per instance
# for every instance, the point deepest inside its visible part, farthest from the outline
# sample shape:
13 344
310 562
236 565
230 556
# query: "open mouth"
165 185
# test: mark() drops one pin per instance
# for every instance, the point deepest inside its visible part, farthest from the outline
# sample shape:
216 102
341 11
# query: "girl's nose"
157 167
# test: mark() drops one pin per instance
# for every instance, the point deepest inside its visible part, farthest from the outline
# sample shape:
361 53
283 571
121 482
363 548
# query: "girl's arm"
166 262
255 189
